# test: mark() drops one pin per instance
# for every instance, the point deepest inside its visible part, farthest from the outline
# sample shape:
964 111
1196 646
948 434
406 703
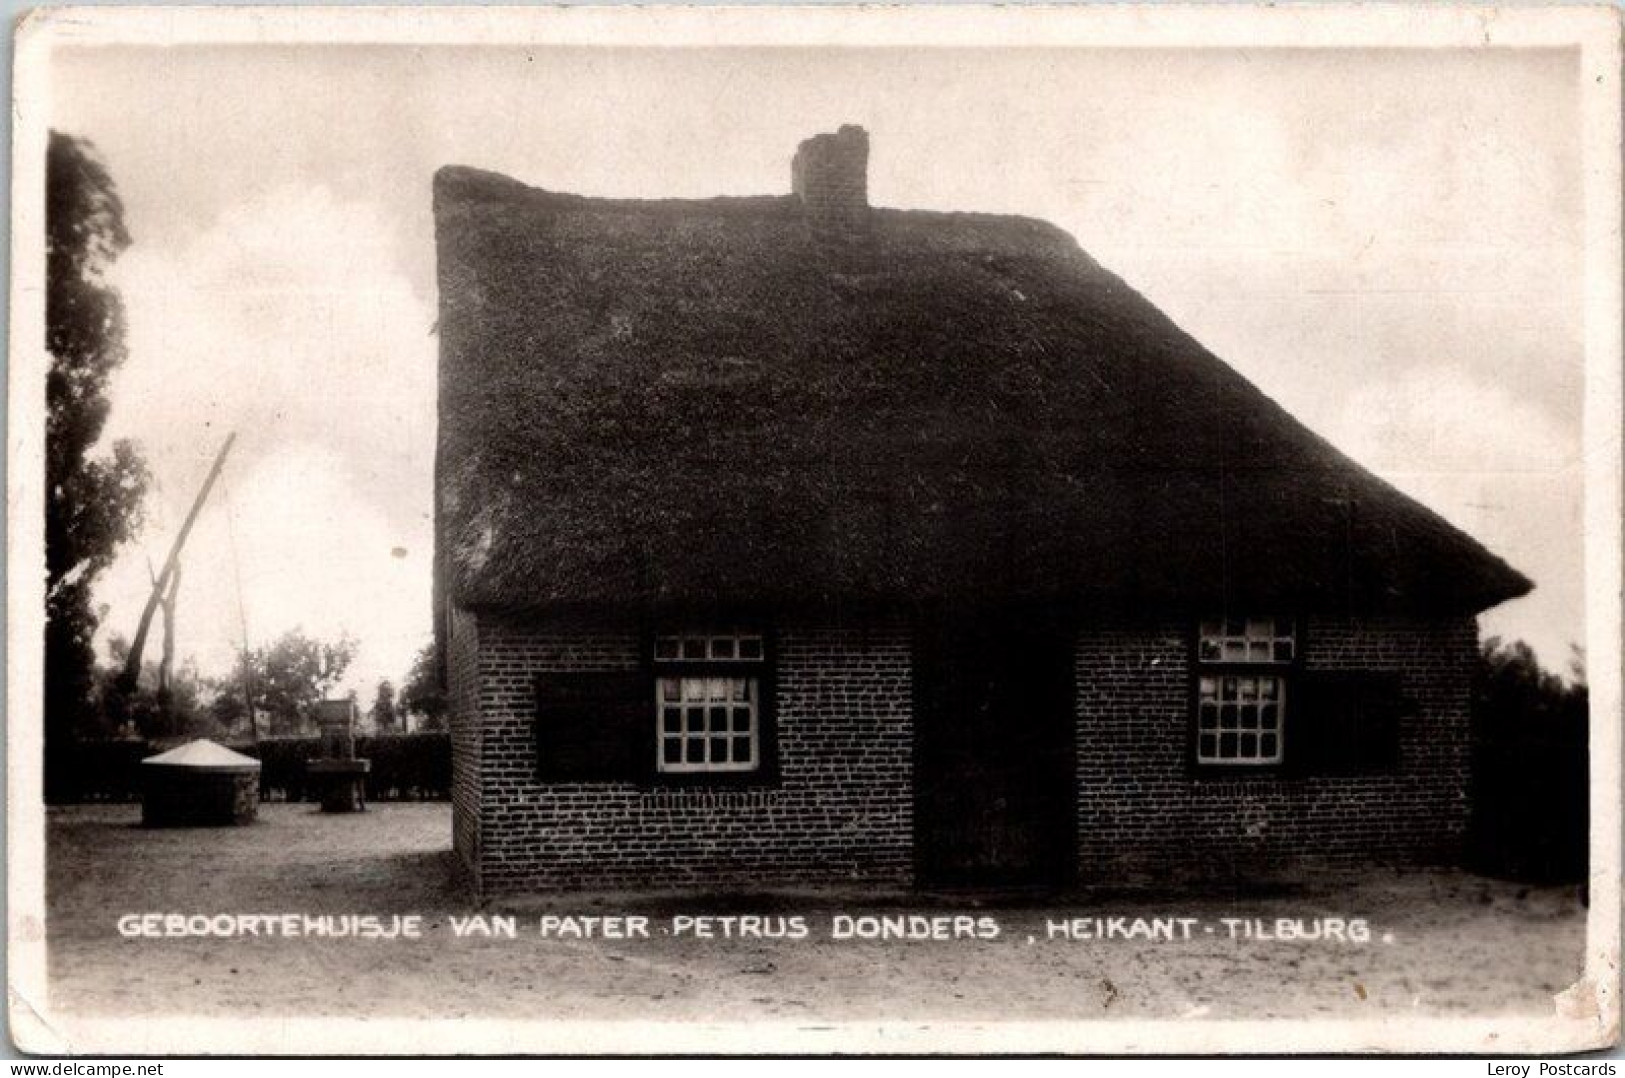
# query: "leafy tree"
228 710
92 502
288 679
422 694
1517 697
383 707
177 711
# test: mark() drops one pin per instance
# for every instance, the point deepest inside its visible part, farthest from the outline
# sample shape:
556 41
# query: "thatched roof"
686 403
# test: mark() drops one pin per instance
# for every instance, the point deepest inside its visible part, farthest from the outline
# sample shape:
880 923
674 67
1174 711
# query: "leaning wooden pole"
132 664
166 666
242 624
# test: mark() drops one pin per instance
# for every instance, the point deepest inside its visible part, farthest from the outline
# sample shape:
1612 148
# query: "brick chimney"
830 174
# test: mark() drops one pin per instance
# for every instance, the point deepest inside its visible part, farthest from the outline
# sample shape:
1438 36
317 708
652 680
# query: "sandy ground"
1456 945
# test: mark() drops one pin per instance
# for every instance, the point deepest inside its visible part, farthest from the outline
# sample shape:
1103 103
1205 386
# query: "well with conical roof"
199 784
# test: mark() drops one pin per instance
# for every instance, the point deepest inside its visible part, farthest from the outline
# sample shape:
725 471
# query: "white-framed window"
708 702
1247 640
1239 719
708 647
1244 667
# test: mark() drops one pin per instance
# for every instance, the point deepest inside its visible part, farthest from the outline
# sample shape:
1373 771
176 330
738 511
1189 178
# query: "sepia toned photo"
780 531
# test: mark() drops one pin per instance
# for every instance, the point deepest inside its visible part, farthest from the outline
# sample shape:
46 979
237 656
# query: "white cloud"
289 322
1493 463
1387 245
1443 418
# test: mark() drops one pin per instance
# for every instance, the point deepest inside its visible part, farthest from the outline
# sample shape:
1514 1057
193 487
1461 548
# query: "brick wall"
841 812
1141 810
462 691
830 174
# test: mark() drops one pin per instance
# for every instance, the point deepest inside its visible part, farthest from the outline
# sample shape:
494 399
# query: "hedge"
405 767
1531 818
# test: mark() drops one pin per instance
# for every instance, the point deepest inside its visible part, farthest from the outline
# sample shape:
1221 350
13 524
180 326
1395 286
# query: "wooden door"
995 803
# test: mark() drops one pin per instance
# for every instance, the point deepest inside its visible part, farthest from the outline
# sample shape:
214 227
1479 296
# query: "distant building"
789 541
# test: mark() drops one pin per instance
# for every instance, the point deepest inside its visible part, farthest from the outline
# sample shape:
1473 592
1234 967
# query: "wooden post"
248 689
132 664
166 666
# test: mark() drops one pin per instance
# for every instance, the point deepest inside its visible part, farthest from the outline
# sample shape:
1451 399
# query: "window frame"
1288 672
766 770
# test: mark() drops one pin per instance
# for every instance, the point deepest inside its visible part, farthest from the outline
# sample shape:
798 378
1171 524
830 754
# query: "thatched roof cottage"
791 540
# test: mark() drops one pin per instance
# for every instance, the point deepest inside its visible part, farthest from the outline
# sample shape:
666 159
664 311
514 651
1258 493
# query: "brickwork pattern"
1143 811
462 698
830 174
840 813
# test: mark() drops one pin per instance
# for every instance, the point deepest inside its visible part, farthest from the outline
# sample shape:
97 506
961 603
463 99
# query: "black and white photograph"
922 530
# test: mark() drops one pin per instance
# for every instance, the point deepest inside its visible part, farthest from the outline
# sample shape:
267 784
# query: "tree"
92 502
1530 756
160 706
422 695
289 678
383 707
1516 696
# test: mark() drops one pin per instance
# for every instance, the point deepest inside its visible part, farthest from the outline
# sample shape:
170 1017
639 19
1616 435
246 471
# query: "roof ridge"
473 184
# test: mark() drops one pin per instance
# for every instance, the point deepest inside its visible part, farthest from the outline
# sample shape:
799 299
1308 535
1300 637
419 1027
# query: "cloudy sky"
1388 243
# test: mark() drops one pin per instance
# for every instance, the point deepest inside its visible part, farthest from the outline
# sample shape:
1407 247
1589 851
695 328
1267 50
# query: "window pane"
707 723
1252 640
708 647
1238 719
